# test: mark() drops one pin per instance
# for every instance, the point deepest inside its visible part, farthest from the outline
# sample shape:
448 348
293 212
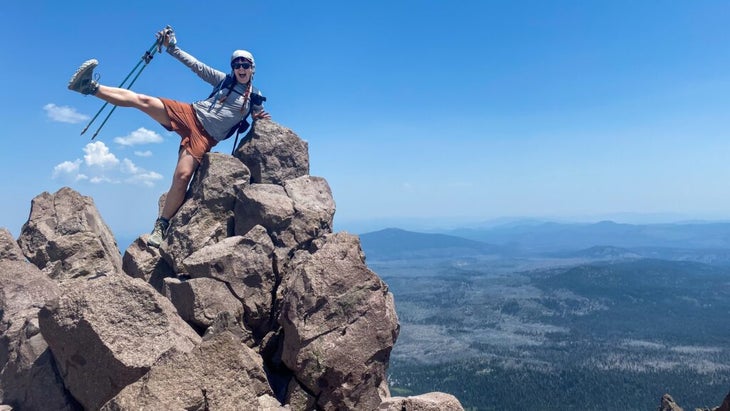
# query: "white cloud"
101 166
147 178
139 175
139 136
97 154
129 167
146 153
69 170
67 167
64 114
101 179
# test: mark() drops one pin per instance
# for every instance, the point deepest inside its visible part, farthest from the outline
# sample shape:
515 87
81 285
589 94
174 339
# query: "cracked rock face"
339 324
220 373
28 376
244 264
107 332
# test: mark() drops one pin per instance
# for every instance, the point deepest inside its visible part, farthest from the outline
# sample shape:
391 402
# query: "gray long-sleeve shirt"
216 117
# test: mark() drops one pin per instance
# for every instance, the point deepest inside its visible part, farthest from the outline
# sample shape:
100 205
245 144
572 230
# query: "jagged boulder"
293 214
339 324
273 153
219 374
668 404
200 300
245 265
9 249
314 208
66 237
267 205
105 333
28 376
145 262
206 217
432 401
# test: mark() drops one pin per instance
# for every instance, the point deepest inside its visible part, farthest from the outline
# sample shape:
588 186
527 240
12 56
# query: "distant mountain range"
564 236
708 242
393 243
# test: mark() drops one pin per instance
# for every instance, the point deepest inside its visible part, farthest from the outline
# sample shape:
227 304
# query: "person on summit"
201 125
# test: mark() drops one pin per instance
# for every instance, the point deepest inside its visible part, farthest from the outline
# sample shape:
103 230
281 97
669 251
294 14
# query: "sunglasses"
245 66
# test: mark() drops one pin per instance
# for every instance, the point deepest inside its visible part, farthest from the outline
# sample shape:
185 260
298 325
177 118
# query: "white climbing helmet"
243 54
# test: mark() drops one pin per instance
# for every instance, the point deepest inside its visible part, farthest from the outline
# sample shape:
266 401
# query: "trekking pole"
146 58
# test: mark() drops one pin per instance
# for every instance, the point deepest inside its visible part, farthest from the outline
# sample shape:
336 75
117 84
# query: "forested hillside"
585 331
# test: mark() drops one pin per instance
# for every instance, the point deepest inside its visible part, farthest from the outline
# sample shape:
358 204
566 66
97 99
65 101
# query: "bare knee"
155 108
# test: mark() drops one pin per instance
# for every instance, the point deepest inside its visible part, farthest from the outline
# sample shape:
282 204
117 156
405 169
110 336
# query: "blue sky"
418 112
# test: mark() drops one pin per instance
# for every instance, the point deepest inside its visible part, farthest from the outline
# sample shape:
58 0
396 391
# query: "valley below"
591 329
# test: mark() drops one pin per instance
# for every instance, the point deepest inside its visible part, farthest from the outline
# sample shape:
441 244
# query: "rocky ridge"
251 302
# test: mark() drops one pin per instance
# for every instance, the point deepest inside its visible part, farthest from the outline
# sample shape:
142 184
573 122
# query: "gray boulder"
145 262
293 214
273 153
668 404
433 401
66 237
245 265
28 376
200 300
9 249
219 374
107 332
314 208
339 324
267 205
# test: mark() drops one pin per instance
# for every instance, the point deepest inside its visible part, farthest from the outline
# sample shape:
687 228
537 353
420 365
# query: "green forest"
480 385
552 334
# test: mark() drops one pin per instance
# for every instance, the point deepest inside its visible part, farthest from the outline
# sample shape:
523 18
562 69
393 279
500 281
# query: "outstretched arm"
205 72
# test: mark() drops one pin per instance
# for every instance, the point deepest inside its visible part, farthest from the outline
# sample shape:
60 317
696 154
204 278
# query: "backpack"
256 99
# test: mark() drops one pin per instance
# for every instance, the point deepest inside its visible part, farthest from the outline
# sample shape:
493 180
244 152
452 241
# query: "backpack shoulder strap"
225 83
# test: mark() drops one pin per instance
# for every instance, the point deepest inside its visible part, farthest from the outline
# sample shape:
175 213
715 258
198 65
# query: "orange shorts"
185 123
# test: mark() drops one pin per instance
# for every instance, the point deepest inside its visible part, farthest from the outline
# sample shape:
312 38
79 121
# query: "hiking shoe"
82 81
158 233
